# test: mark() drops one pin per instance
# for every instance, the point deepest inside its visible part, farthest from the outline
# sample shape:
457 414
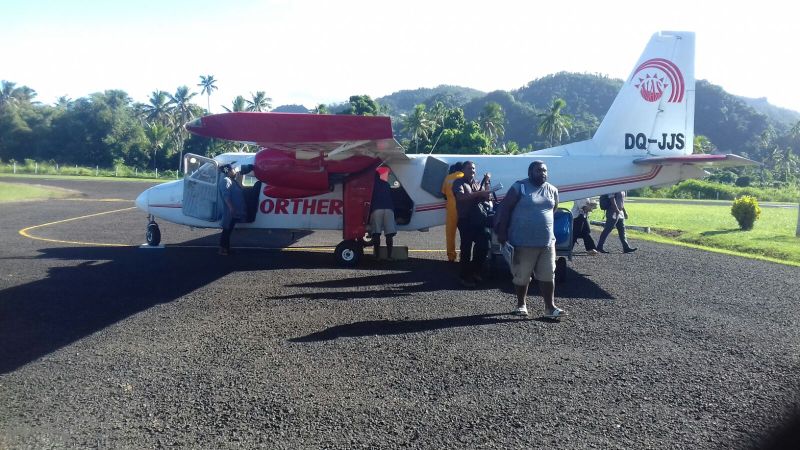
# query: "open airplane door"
200 192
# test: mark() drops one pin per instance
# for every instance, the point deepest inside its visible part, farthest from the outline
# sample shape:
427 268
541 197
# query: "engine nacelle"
289 177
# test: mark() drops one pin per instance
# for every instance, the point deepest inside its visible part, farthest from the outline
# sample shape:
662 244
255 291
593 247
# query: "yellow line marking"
24 231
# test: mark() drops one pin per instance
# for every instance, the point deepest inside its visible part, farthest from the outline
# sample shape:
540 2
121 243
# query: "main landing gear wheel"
153 234
348 253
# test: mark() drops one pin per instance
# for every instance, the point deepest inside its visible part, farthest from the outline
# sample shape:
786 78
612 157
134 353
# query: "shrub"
743 181
746 211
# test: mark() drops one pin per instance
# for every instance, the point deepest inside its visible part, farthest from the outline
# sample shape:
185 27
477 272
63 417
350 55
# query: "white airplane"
315 172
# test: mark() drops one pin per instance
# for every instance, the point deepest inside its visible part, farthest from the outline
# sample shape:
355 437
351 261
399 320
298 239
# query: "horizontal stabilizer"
698 160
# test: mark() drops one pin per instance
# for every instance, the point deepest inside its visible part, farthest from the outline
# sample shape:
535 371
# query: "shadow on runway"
105 285
424 275
389 327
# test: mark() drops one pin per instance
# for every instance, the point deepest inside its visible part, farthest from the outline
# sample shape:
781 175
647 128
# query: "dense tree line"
108 128
578 102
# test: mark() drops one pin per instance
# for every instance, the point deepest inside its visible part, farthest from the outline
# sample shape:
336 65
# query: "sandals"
520 311
556 314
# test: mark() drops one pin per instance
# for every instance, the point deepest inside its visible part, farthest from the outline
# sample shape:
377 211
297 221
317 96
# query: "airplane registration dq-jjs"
316 172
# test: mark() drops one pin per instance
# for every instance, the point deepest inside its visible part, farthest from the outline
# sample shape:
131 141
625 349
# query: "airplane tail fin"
653 113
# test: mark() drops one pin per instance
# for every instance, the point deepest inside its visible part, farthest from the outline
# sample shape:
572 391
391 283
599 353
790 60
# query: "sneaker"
630 250
600 250
520 311
592 252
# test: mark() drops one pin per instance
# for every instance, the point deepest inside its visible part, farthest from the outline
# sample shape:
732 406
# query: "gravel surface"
122 347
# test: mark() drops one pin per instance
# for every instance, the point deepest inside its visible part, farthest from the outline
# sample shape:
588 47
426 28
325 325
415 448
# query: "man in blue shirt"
233 206
526 222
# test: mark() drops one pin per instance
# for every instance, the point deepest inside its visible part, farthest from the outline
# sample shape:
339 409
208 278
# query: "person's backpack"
605 202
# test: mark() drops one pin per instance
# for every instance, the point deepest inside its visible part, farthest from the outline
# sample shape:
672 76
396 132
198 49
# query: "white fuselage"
575 177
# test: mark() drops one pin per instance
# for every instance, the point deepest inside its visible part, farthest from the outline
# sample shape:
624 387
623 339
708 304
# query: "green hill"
733 124
776 114
403 102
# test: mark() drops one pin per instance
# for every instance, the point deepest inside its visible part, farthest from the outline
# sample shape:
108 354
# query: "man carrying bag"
472 224
526 221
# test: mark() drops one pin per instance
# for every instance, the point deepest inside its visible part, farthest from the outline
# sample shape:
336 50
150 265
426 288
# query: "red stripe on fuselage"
611 182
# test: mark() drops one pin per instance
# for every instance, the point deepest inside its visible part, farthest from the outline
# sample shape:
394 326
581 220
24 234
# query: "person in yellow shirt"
452 213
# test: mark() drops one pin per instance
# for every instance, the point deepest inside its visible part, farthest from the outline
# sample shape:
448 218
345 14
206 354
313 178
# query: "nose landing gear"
153 233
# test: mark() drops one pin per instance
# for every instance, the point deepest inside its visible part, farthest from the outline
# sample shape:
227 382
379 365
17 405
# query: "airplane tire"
561 270
348 253
153 234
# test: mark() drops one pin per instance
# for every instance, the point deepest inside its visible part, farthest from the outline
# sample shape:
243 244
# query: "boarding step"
399 253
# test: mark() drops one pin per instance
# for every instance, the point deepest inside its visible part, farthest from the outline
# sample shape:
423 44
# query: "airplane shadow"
391 327
109 284
105 285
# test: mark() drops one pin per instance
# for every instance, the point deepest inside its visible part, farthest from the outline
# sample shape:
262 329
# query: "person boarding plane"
315 172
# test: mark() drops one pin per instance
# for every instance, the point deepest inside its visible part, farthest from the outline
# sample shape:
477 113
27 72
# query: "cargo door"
200 193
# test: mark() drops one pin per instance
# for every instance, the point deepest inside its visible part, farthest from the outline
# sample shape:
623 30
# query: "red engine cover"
282 169
277 168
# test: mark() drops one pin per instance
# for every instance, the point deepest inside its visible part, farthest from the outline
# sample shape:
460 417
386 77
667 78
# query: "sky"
314 51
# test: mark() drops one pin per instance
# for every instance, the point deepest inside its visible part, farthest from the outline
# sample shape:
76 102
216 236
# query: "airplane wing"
698 160
307 136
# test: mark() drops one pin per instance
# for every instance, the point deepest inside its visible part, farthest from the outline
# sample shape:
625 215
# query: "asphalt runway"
106 345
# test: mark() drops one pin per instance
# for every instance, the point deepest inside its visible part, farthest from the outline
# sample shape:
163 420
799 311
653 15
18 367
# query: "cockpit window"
206 173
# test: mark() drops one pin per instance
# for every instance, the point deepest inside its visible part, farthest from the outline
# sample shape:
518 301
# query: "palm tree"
553 124
64 102
157 134
180 102
492 121
11 94
7 92
260 102
418 125
437 116
183 113
239 104
158 108
207 83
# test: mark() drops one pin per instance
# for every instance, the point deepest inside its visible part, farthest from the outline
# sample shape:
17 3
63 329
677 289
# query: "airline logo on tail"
659 74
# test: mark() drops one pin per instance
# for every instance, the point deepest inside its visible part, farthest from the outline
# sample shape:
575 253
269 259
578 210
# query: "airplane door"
200 193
